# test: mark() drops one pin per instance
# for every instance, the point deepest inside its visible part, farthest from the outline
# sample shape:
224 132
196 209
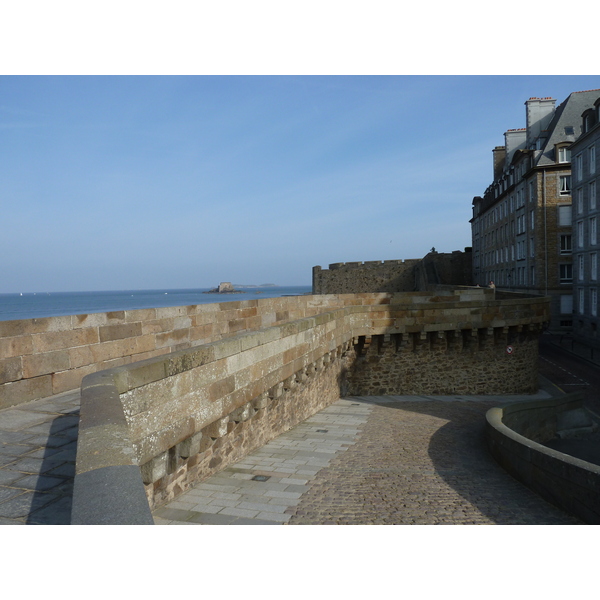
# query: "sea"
55 304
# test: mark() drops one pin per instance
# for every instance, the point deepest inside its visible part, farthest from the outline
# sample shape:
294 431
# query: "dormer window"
589 120
564 154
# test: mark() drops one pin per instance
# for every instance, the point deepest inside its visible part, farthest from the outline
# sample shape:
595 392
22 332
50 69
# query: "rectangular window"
532 220
580 234
564 215
532 282
564 155
566 304
531 248
580 301
531 191
579 201
580 269
565 244
594 302
566 273
592 159
593 267
565 185
593 232
592 195
579 167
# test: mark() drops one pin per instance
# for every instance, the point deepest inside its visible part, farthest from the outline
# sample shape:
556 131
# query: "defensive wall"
43 357
516 434
394 275
152 428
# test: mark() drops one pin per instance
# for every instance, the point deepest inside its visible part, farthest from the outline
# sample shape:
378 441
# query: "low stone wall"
192 412
565 481
42 357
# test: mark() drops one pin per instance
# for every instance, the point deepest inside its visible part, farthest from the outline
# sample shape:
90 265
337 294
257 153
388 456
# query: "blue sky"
135 182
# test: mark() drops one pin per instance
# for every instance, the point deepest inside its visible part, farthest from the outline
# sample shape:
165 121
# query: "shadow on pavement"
53 487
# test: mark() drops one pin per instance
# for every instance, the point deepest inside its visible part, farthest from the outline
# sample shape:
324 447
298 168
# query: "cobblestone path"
420 462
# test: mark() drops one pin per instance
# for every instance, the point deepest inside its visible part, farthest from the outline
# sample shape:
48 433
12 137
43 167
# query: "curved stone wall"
565 481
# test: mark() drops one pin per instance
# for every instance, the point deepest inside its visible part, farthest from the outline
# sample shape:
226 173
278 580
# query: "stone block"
190 446
11 369
155 468
243 413
58 340
25 390
16 346
43 364
65 381
217 429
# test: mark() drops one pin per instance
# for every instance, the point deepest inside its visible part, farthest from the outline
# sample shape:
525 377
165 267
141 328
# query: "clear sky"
141 182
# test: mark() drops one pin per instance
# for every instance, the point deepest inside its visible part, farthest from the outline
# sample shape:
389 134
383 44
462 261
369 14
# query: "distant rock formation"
225 287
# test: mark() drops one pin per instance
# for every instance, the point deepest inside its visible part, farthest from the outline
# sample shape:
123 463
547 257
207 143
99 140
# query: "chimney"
539 112
514 140
499 153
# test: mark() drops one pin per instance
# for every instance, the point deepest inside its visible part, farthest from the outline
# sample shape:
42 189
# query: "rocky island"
225 287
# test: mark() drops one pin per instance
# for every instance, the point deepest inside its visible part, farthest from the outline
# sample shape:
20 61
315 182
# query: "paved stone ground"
371 460
362 460
38 445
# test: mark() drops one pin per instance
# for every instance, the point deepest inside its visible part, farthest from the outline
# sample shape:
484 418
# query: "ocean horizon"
36 305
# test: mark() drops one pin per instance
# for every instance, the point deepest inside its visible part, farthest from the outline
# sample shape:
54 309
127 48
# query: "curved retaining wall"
565 481
153 428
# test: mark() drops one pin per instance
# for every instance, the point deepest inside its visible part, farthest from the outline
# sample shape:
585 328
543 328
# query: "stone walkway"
370 460
38 445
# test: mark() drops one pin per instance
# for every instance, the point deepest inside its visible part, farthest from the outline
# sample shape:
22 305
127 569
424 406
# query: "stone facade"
586 217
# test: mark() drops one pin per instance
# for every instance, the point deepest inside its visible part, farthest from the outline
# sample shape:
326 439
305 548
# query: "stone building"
522 226
586 214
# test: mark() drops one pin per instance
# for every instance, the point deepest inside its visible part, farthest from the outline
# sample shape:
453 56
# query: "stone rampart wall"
395 275
367 277
196 410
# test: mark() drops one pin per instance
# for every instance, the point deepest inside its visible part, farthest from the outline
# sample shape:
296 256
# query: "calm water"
42 304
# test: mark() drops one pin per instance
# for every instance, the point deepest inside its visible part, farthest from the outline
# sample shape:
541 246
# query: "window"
579 202
532 220
566 304
580 301
592 196
564 155
531 248
532 280
566 273
565 244
580 234
531 191
564 215
594 302
593 267
580 269
593 232
592 159
579 167
565 185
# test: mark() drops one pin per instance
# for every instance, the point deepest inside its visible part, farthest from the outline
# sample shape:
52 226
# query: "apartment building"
522 234
586 217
